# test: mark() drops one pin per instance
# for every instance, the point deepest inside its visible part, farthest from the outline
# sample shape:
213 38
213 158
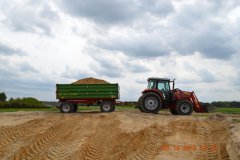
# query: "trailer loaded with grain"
70 95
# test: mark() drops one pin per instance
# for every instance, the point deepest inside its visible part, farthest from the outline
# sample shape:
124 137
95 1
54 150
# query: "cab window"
163 86
151 84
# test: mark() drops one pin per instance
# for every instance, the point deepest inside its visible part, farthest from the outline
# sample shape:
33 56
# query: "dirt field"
118 135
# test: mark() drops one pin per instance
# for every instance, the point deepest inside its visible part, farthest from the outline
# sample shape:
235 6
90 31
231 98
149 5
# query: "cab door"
163 86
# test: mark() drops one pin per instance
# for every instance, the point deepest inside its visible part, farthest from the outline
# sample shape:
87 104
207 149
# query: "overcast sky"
45 42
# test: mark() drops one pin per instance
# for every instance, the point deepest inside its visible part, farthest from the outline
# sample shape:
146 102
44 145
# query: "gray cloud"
74 73
204 27
204 35
106 67
15 85
26 67
141 81
135 67
116 11
142 46
8 50
30 17
157 7
198 27
206 76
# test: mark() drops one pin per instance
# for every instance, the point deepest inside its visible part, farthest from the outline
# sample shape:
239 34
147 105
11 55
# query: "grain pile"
90 80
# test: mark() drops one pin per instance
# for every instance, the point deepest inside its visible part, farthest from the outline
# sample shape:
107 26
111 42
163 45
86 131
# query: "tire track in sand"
11 137
68 144
148 142
207 141
96 144
40 145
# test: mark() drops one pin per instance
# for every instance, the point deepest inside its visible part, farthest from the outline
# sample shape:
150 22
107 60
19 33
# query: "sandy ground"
118 135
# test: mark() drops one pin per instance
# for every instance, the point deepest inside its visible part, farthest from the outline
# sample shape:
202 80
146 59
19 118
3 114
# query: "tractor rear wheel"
140 106
150 102
184 107
107 106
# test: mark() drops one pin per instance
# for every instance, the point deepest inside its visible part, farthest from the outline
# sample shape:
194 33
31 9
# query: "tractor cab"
163 86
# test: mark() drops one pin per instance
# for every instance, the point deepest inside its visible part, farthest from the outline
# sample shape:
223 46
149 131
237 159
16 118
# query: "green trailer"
70 95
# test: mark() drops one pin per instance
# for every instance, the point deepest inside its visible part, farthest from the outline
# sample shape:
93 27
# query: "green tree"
3 97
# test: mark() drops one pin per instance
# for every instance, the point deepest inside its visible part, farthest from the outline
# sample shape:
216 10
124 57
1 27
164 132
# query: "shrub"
3 97
28 102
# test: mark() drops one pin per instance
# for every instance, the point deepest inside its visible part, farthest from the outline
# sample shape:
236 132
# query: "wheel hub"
185 108
151 103
106 107
66 108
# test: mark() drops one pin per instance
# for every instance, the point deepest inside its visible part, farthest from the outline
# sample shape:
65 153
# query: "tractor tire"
150 103
184 107
140 106
66 107
107 106
173 111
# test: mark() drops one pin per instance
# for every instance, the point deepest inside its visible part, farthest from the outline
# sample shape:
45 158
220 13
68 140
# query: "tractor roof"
161 79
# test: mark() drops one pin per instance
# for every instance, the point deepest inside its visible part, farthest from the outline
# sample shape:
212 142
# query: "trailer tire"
75 108
150 102
184 107
107 106
66 107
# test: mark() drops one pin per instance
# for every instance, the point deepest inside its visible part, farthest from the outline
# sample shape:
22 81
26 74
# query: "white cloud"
123 42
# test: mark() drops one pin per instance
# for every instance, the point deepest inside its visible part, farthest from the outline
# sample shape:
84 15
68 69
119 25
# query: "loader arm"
195 101
200 107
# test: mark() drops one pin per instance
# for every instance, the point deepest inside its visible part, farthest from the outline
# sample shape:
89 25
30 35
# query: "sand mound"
90 80
103 136
219 117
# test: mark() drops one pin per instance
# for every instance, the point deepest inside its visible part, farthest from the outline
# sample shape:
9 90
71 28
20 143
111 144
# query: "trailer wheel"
66 107
184 107
107 106
75 108
150 102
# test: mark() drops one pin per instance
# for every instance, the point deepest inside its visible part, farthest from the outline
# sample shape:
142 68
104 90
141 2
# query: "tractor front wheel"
184 107
150 102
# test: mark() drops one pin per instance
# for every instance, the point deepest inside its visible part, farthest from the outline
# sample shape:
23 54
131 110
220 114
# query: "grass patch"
26 109
236 120
228 110
80 108
118 108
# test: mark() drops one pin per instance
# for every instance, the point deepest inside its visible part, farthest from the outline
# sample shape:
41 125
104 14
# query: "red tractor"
159 96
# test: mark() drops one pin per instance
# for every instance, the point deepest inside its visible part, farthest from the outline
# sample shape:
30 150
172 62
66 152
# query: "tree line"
226 104
28 102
